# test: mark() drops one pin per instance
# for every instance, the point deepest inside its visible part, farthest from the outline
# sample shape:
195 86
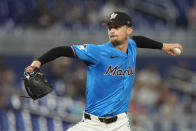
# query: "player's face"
118 33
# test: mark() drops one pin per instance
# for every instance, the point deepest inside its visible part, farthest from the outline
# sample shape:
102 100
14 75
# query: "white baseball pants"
121 124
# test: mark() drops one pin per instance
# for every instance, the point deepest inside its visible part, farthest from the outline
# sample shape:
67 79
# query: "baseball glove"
35 83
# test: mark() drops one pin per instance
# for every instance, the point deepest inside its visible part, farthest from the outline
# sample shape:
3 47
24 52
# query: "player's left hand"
169 48
35 83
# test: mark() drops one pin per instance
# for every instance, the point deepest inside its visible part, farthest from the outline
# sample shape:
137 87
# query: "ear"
129 30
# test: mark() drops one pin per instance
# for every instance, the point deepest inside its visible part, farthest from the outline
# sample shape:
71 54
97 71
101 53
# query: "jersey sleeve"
133 46
86 52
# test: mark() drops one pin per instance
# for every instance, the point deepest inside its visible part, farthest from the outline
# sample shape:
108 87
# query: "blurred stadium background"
163 98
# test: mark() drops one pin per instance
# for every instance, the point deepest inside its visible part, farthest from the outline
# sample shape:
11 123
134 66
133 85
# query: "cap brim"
106 23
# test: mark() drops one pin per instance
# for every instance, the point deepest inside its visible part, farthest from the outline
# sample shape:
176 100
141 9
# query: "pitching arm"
168 48
144 42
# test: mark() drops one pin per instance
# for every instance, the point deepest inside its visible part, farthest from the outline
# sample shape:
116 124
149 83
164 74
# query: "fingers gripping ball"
177 51
35 83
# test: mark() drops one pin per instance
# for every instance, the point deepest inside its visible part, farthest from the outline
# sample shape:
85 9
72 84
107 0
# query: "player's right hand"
168 48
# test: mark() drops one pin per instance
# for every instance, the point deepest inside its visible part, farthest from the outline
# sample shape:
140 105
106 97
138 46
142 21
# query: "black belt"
106 120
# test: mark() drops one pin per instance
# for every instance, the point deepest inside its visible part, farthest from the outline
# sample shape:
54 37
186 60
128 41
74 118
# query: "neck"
121 46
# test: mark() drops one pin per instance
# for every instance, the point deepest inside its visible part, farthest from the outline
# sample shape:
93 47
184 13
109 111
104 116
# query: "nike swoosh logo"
113 57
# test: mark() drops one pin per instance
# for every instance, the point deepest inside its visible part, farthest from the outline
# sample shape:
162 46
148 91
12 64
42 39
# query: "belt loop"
87 116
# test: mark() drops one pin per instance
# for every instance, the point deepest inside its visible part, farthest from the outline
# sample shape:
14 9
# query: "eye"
115 27
109 27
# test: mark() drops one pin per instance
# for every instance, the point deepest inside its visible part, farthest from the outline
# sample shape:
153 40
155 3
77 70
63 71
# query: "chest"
117 65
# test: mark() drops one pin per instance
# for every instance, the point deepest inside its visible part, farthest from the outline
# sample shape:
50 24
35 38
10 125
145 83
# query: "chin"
113 40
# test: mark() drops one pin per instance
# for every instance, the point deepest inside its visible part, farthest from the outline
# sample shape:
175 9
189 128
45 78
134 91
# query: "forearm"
144 42
53 54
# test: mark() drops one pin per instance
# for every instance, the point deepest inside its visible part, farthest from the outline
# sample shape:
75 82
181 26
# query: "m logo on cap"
113 16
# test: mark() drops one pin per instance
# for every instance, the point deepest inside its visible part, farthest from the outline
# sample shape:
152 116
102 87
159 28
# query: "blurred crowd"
90 14
55 112
164 102
161 101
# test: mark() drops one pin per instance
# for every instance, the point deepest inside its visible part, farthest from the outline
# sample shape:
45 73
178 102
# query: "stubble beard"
117 42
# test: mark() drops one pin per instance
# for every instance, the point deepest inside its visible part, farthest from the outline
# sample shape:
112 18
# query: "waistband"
106 120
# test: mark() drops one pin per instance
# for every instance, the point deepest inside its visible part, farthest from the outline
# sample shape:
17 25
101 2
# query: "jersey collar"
117 52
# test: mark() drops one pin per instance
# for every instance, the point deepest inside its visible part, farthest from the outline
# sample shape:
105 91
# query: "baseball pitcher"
110 73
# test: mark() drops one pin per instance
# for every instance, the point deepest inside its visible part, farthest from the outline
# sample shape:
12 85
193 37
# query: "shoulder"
99 46
132 42
92 47
85 46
